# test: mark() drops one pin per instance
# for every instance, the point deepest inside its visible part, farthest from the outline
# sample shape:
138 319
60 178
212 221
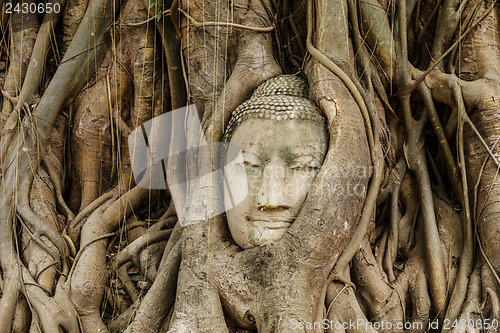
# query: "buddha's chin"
264 234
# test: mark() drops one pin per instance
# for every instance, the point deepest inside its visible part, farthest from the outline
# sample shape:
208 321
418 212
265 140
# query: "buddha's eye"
251 164
252 161
305 163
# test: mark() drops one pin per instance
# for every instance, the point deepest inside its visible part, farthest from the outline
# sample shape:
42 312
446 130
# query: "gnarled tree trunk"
400 225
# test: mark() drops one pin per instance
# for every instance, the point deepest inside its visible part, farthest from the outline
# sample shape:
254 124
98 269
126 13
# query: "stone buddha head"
283 141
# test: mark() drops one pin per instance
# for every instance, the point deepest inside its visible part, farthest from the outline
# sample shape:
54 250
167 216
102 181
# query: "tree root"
471 308
128 285
38 228
88 277
54 169
24 27
74 227
131 251
52 312
344 308
151 313
381 302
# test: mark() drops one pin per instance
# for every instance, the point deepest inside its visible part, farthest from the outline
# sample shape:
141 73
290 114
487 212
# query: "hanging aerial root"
225 24
467 258
54 170
171 45
451 166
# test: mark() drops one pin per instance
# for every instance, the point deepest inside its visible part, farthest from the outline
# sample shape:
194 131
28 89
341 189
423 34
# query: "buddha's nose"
273 190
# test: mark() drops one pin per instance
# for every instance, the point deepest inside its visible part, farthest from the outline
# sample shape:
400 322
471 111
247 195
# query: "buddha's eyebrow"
307 150
244 151
315 156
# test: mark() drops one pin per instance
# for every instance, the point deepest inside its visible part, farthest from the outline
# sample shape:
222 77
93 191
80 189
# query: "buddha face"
280 160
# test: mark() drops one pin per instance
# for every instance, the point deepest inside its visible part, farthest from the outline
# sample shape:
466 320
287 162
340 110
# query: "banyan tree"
307 166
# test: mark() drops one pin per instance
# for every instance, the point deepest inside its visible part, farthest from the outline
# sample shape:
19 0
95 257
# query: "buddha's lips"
271 225
269 222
